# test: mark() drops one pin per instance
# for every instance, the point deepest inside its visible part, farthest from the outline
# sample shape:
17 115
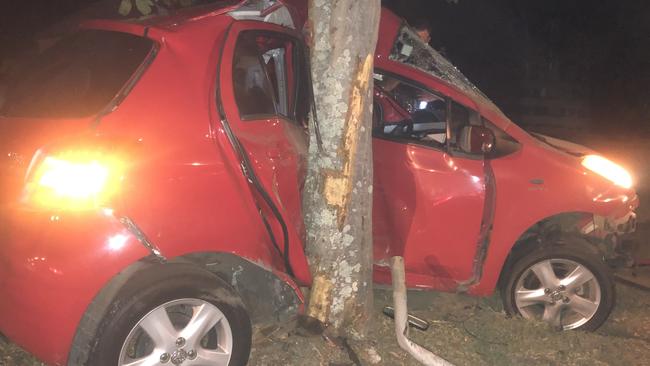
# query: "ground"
465 331
472 331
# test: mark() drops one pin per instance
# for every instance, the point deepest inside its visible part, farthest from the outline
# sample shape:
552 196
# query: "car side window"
459 117
253 91
504 143
408 113
275 65
268 71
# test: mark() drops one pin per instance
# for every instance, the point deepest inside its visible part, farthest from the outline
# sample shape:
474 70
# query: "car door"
429 197
264 99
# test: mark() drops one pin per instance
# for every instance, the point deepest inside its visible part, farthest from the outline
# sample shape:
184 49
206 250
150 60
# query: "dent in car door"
428 202
260 91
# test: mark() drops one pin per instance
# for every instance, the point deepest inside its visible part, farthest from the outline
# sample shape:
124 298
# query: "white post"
420 353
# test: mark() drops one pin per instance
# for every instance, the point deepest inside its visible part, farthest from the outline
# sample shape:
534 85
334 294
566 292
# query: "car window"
275 63
409 113
269 76
76 77
253 90
411 50
459 117
504 143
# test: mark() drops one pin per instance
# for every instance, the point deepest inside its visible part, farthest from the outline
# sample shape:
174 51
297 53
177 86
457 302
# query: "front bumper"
614 234
51 267
615 225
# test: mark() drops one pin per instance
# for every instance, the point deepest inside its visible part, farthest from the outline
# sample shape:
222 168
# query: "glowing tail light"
73 181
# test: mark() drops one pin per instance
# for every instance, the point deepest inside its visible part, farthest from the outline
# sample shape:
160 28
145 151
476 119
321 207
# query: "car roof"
176 20
390 26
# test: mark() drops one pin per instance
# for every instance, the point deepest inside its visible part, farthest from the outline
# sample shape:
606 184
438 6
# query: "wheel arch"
552 230
251 281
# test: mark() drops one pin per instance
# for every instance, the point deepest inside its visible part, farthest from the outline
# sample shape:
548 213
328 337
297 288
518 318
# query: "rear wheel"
182 317
177 331
568 286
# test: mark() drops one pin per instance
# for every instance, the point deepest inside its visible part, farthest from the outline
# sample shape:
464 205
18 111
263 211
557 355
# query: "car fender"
282 300
50 269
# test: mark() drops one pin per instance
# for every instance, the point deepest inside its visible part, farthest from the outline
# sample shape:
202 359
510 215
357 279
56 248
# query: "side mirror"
476 140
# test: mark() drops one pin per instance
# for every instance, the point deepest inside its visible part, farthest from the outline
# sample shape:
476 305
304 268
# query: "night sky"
601 49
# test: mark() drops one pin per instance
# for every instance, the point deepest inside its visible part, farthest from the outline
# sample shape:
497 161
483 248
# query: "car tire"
567 285
154 310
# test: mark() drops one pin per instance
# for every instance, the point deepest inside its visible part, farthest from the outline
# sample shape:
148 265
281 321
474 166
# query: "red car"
474 203
152 173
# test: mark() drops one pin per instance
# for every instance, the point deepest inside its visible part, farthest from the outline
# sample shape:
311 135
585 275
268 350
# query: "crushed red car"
152 172
475 203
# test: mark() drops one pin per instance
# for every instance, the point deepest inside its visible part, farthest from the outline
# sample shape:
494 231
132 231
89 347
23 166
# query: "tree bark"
338 199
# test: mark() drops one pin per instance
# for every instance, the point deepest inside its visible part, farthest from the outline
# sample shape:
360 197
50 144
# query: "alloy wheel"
188 332
561 292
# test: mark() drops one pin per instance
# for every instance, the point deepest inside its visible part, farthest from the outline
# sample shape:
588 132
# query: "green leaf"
125 7
144 6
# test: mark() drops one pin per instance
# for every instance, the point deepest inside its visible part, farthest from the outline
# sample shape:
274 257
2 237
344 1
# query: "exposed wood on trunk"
339 184
338 198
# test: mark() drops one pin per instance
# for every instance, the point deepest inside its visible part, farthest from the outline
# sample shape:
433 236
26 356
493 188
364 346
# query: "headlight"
608 169
73 180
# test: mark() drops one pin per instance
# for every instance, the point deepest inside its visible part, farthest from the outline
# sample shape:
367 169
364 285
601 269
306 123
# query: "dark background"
574 63
549 64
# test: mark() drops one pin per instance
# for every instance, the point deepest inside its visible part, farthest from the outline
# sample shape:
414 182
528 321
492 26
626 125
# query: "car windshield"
76 77
411 50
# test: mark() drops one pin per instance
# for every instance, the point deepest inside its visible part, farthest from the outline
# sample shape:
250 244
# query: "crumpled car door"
265 104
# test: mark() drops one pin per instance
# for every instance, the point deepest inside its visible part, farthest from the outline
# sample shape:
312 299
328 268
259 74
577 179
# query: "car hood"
297 9
563 145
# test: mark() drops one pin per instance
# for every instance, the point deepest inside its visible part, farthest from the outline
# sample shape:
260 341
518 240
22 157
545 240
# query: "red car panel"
186 157
51 276
419 191
566 188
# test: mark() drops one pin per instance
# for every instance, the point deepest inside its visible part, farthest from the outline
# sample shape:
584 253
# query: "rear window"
76 77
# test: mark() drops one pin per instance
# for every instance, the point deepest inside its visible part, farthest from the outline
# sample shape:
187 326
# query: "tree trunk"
338 199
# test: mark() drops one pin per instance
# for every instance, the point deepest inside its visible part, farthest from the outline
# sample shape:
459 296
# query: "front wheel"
568 286
181 316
